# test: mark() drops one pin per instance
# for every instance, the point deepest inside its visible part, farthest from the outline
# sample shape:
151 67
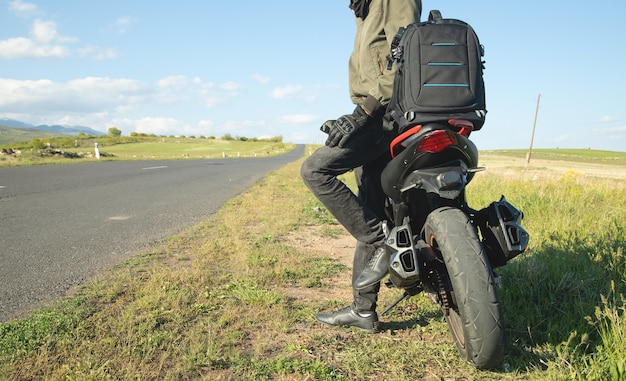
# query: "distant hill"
9 135
55 129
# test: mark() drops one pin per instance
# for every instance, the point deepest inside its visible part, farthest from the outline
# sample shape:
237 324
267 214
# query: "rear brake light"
437 141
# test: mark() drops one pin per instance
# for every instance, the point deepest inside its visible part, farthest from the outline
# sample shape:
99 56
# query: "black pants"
367 153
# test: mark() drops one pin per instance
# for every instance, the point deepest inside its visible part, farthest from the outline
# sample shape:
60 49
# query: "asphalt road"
62 224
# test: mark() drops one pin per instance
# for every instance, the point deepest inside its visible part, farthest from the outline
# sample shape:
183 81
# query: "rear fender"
447 181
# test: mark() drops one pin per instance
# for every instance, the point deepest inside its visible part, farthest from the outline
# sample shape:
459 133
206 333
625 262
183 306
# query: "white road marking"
119 218
161 167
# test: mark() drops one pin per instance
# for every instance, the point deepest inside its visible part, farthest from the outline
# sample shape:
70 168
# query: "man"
358 142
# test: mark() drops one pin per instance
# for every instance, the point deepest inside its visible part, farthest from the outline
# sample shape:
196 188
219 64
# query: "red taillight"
437 141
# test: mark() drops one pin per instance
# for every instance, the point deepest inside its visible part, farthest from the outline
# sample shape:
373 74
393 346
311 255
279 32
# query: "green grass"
570 155
169 148
141 148
234 298
577 259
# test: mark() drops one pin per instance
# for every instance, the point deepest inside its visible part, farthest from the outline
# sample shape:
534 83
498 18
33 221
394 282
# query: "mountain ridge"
55 128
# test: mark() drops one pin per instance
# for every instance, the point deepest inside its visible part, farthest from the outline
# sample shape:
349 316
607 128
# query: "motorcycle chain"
438 279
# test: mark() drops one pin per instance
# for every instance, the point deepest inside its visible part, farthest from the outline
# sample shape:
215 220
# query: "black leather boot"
348 317
376 269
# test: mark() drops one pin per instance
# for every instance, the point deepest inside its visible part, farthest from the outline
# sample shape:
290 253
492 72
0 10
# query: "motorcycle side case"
504 238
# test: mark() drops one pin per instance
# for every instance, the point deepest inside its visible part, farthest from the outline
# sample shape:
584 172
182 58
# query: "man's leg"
362 312
373 197
320 171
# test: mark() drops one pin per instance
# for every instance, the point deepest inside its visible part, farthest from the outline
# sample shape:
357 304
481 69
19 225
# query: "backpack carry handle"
434 15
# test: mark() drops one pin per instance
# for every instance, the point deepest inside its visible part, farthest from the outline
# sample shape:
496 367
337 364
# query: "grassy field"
172 148
567 154
234 298
72 150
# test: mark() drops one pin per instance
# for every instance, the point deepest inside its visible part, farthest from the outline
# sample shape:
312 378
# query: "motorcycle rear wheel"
475 316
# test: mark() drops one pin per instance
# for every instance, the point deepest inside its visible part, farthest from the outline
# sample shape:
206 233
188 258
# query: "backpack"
439 74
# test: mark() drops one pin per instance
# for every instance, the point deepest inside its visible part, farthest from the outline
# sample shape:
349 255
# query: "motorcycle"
439 245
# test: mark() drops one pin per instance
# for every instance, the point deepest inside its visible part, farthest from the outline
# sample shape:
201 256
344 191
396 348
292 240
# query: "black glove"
342 129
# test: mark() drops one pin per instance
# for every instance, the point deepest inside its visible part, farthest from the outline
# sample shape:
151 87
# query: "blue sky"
258 69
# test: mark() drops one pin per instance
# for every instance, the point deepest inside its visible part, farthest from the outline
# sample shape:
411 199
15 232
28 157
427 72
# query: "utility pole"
532 136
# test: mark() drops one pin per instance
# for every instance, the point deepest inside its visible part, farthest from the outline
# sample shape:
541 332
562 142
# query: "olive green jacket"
368 74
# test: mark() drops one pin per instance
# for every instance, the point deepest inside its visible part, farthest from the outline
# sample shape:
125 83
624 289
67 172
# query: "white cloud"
90 120
615 133
184 83
123 23
15 94
158 126
90 94
261 79
205 124
44 42
607 119
212 101
22 47
173 89
312 98
171 126
22 7
95 101
241 128
245 123
286 92
231 87
103 102
298 119
175 81
179 88
44 31
97 54
562 139
300 136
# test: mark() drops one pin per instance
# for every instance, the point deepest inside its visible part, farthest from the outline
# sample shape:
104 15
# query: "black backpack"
439 74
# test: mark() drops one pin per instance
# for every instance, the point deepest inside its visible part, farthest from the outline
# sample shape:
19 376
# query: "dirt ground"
312 240
316 241
548 167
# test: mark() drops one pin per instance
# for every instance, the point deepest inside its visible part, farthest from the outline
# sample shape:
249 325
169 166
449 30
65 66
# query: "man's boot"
376 269
348 317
